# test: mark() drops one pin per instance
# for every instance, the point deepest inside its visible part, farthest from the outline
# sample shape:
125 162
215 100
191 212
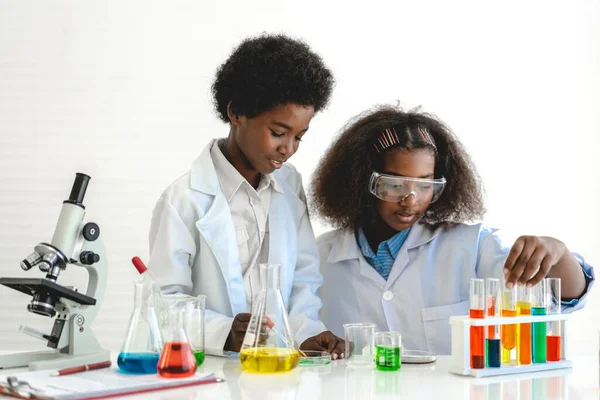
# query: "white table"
423 382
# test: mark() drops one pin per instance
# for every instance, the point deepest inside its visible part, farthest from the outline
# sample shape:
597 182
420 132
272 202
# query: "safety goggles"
399 188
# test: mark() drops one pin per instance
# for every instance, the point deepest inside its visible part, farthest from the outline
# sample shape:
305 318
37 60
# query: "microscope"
78 243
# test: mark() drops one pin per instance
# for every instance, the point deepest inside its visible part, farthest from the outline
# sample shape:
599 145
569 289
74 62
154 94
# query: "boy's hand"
239 326
325 341
238 330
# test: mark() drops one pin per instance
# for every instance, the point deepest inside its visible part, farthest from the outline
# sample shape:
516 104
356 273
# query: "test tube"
509 331
477 333
492 342
523 329
538 336
553 340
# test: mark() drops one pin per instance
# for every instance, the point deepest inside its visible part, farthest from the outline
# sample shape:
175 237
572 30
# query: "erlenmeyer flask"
148 279
193 320
177 358
269 345
143 342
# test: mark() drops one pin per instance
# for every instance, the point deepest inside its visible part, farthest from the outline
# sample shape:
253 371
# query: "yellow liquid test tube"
524 329
508 333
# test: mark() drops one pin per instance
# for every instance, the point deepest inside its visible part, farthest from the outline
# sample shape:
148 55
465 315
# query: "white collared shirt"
249 211
193 250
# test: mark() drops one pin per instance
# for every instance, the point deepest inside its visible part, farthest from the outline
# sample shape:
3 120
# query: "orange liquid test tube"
508 332
477 333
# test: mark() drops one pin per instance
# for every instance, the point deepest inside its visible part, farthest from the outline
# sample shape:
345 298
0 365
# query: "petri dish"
314 358
417 357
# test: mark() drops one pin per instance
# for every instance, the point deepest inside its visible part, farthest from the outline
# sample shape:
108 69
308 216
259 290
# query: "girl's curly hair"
339 190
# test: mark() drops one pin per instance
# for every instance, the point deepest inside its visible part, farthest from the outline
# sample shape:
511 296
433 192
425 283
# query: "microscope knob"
91 231
89 257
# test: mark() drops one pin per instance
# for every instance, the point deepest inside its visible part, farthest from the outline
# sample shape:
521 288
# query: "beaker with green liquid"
193 320
388 347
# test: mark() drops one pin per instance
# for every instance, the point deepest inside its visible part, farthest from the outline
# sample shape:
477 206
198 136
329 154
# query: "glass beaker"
194 326
387 351
359 344
269 345
177 358
143 342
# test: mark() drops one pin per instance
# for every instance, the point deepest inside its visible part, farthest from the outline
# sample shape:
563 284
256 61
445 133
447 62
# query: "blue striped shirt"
386 252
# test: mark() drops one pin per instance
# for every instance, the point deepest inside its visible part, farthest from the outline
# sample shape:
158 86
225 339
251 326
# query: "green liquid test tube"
538 329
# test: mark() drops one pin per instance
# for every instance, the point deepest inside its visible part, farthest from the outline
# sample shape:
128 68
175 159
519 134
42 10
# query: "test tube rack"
460 359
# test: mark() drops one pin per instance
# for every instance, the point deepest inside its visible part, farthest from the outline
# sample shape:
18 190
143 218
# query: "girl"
400 188
242 204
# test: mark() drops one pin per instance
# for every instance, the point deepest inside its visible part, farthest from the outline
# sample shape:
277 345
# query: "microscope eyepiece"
78 189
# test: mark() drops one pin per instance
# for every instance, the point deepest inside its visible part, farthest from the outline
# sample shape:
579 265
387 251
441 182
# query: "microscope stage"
32 286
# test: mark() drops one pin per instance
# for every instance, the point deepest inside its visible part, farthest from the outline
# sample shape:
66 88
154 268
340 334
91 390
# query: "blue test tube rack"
460 359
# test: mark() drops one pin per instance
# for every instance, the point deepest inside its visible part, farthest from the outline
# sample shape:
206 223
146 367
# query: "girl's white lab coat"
428 283
193 245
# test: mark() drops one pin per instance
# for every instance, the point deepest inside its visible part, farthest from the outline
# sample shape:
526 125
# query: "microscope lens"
42 304
31 260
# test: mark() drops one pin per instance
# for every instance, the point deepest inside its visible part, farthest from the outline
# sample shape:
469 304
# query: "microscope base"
41 360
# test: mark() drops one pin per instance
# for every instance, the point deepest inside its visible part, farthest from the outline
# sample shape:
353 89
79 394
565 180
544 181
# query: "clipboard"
91 385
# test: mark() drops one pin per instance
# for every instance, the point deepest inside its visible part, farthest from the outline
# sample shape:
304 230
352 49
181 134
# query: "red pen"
82 368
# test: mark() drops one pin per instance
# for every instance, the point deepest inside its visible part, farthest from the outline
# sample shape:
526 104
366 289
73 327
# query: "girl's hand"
325 341
531 258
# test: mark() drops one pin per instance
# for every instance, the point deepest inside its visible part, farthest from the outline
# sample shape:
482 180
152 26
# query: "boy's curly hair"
269 70
339 190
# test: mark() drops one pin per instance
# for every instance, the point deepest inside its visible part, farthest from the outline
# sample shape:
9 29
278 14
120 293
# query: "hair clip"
387 139
427 138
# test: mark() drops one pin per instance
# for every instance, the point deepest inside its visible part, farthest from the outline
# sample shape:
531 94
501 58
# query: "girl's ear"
233 118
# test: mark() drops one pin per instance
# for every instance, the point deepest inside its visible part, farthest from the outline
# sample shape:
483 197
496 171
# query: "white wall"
120 90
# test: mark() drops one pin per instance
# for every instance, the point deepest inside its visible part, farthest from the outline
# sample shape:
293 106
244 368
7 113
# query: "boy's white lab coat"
428 283
193 245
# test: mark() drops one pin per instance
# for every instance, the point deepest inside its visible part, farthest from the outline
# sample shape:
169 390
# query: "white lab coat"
428 283
193 245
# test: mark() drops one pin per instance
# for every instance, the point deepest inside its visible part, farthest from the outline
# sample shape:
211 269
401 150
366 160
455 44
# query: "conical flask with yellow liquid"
269 345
